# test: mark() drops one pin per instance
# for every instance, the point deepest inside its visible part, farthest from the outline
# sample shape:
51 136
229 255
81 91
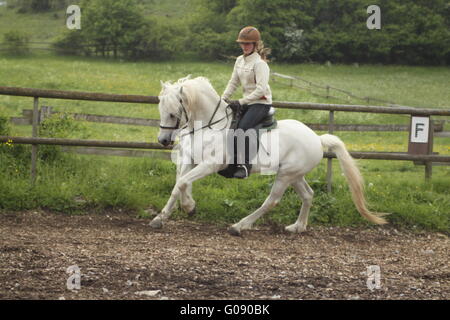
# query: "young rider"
252 72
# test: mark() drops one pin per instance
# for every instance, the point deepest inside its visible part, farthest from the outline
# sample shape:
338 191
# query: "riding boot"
229 171
242 171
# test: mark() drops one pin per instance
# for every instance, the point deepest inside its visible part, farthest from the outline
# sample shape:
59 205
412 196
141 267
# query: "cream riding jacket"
253 74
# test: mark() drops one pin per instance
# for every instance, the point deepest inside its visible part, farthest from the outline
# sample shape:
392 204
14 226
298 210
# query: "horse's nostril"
164 142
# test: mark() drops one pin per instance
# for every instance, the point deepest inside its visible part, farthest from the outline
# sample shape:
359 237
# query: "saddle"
267 123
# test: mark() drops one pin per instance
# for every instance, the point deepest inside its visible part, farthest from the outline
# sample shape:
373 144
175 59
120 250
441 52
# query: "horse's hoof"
156 223
234 231
295 229
192 212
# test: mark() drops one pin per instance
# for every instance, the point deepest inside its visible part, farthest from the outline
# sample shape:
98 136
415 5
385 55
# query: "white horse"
300 150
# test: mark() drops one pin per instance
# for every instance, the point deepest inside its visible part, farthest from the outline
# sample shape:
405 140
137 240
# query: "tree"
210 33
41 5
120 27
413 31
111 24
283 24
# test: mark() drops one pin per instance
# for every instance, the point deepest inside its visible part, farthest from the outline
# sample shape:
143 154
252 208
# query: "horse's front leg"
200 171
186 201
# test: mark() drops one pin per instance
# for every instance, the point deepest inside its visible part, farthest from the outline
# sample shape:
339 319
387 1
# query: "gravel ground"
121 257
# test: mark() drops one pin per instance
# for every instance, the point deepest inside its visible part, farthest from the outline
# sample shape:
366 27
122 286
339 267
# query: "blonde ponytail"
263 52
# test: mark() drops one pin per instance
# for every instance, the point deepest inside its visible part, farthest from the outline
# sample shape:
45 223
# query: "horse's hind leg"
306 195
279 187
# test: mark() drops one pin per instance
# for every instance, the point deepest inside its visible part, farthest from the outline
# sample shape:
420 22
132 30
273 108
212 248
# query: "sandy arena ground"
120 256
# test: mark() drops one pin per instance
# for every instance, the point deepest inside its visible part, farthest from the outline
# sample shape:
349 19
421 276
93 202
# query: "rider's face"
247 47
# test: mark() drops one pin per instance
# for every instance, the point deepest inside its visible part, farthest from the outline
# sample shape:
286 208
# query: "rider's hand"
235 105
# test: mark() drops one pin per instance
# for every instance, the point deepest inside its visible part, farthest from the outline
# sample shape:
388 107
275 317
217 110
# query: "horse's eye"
172 116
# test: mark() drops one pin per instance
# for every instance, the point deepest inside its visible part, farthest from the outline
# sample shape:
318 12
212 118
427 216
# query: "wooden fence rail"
77 95
48 111
92 96
327 88
84 143
331 108
149 145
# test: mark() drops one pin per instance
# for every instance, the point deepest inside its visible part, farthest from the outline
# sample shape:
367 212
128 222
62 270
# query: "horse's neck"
205 109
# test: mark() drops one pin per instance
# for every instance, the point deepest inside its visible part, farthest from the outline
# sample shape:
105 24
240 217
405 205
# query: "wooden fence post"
429 164
330 161
34 147
44 113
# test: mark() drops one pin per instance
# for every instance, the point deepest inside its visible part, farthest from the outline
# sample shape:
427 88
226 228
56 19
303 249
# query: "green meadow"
135 184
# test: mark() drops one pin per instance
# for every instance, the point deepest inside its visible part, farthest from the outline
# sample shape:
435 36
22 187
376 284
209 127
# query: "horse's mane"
171 92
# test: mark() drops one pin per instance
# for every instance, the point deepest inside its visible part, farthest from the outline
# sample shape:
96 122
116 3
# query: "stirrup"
237 170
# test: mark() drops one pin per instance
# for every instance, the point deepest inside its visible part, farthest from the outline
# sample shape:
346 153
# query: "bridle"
183 111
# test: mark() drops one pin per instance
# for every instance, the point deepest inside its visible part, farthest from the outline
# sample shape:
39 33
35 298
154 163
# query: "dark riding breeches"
252 115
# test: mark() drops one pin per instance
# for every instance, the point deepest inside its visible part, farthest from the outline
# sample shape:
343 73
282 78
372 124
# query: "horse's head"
174 109
184 102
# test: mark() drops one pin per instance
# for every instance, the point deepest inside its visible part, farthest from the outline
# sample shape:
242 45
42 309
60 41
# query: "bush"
39 5
154 40
14 157
120 28
16 43
56 126
211 45
5 127
71 42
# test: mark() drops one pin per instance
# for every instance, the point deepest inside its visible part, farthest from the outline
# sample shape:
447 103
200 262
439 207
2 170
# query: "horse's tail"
353 176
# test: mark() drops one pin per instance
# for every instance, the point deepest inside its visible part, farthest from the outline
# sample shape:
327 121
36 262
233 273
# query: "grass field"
39 26
136 184
47 26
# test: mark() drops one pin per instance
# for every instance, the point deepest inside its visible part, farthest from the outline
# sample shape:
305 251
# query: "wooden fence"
37 114
46 111
326 90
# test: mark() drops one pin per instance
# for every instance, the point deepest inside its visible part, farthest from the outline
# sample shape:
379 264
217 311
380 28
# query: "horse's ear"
183 80
163 85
